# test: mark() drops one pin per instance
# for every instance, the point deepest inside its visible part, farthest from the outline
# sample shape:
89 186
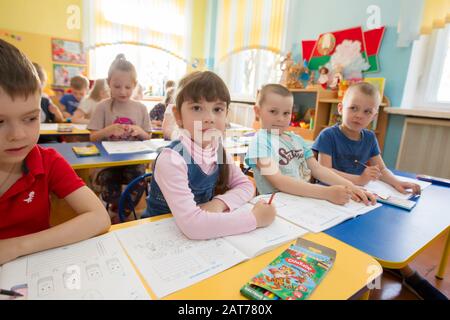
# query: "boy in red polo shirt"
28 172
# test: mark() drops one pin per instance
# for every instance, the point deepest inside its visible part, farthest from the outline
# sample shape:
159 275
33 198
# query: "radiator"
425 147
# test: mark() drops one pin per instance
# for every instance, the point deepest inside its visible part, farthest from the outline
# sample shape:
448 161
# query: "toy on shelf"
294 73
324 77
285 67
337 77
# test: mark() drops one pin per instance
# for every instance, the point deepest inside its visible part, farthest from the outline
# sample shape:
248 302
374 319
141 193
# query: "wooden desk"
346 280
395 236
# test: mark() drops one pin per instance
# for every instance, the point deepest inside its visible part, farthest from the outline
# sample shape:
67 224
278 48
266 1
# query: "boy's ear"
340 107
257 110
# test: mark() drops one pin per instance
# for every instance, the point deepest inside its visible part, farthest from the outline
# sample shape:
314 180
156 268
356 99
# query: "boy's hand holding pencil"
370 173
264 212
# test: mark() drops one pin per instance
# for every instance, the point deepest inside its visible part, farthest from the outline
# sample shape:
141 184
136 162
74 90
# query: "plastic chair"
126 201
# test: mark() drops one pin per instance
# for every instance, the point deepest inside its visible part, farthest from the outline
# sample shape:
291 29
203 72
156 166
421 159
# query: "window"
443 94
428 80
153 35
246 71
154 66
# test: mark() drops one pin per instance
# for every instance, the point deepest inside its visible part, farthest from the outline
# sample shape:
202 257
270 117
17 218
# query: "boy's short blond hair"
272 88
79 83
18 77
365 88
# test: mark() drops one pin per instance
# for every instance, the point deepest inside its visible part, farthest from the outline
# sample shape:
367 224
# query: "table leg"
444 258
365 295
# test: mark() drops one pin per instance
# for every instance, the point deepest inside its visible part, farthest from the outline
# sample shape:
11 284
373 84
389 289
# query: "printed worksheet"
13 276
313 214
93 269
385 190
265 239
80 126
120 147
169 261
48 126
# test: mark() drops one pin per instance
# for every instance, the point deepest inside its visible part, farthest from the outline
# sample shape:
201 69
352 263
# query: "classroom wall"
315 17
35 23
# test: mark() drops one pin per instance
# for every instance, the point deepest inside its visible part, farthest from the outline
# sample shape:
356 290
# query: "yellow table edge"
110 164
245 270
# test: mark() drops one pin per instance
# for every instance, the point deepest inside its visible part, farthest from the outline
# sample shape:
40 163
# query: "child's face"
19 126
275 112
359 111
204 121
121 85
79 94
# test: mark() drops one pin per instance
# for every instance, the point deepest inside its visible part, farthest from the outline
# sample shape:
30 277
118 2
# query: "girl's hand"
116 130
371 173
359 194
402 186
338 194
264 213
8 250
215 205
136 131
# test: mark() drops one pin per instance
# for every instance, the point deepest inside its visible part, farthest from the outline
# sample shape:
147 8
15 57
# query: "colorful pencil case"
293 275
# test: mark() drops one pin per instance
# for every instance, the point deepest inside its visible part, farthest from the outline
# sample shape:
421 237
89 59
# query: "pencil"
356 161
10 293
271 198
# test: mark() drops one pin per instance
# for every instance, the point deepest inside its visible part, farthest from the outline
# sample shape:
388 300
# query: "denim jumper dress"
201 184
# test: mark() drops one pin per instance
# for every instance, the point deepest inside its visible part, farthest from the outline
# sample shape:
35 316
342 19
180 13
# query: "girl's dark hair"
208 86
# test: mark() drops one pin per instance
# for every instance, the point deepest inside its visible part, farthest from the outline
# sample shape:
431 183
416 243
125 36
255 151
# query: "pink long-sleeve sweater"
171 174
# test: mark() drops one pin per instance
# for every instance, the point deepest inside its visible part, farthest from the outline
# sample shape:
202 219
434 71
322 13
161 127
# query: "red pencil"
271 198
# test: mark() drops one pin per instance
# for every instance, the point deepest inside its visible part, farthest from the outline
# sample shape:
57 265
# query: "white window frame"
425 69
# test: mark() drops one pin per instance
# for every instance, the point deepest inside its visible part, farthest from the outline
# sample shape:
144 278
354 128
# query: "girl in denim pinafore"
201 184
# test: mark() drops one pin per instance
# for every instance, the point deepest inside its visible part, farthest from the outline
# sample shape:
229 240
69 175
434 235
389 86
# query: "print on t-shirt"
127 134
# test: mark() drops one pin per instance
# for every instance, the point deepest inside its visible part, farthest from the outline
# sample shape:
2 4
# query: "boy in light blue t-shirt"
282 161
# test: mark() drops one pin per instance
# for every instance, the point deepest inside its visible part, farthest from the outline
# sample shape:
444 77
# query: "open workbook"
313 214
99 268
93 269
170 262
118 147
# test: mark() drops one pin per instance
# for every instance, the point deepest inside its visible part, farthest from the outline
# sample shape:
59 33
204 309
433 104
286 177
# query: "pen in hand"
271 198
10 293
357 162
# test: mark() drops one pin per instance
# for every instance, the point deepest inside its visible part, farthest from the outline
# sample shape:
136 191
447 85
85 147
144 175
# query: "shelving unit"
322 101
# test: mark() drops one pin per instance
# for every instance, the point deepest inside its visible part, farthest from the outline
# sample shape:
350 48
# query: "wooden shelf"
383 104
323 102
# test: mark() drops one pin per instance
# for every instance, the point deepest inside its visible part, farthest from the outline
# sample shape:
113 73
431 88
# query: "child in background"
49 112
79 85
346 149
99 92
119 118
157 113
283 162
28 172
169 125
194 178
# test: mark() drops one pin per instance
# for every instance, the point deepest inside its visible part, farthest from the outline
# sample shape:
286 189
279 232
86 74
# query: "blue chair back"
126 201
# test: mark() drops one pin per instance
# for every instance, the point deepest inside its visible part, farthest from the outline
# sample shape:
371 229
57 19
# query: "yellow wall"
36 22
